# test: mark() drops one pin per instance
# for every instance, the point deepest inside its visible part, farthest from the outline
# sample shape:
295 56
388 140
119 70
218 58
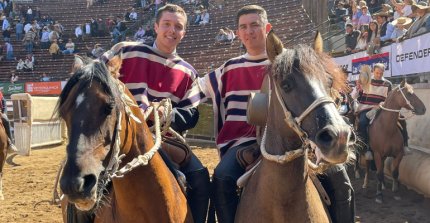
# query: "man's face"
380 19
348 29
170 31
252 32
378 73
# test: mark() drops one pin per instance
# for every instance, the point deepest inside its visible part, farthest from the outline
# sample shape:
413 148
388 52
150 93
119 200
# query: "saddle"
178 152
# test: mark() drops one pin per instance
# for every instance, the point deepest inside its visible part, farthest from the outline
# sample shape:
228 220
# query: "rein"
295 124
398 110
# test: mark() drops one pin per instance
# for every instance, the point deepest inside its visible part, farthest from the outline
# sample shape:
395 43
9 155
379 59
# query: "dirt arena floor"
28 183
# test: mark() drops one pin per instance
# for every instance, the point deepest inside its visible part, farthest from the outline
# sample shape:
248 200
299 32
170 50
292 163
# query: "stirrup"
368 155
11 148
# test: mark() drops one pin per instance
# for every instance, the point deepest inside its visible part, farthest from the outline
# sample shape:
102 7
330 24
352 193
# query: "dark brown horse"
300 112
385 137
104 126
3 154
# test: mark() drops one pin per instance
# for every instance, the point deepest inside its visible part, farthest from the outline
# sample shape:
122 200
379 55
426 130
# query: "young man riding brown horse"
369 95
229 87
154 73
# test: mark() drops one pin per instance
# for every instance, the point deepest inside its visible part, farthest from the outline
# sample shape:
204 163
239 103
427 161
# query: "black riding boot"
337 185
76 216
225 199
198 193
11 145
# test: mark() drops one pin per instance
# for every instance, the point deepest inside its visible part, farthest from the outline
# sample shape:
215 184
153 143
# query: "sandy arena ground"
28 183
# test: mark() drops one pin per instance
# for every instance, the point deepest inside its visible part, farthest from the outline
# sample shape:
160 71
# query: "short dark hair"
251 9
349 25
170 8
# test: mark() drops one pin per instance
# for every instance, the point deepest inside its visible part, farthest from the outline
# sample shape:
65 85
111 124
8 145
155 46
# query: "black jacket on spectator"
383 29
351 39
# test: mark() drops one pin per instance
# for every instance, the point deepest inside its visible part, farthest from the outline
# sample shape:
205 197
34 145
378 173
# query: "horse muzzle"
84 204
332 143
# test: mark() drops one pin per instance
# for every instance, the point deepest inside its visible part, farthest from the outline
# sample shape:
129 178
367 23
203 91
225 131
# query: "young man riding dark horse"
11 147
153 73
369 95
229 87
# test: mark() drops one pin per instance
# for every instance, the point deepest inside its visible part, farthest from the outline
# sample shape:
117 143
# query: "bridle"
295 123
408 103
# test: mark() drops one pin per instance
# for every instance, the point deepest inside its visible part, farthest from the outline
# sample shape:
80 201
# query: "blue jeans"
9 55
363 124
18 36
29 47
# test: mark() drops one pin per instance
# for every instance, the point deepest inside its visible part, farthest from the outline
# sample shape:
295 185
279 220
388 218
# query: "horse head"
304 84
406 98
90 106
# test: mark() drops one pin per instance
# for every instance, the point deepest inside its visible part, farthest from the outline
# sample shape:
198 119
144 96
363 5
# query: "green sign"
8 88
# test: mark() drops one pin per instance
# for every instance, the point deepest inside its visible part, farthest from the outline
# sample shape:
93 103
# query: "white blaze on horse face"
86 160
80 99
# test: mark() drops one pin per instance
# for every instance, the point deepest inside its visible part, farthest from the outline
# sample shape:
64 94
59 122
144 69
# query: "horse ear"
318 43
274 46
78 62
114 65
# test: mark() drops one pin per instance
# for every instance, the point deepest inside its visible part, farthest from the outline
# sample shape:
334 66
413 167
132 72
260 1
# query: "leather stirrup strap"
320 189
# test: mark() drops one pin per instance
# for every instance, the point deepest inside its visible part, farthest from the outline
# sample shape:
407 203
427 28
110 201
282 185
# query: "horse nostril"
325 137
72 186
89 182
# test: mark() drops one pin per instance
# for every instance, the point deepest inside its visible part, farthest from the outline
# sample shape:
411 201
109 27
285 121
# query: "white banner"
411 56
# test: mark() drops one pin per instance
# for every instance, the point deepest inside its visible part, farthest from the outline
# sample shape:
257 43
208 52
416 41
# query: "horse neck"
146 189
390 118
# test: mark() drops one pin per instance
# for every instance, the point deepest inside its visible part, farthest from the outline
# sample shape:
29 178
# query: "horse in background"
385 137
300 111
3 155
105 125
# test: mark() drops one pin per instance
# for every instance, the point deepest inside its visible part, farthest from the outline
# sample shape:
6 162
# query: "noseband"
408 103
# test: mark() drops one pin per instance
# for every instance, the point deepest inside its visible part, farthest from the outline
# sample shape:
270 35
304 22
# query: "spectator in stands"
397 11
385 27
102 28
365 18
13 77
141 63
97 51
127 14
61 45
116 36
27 27
373 32
9 51
355 15
6 34
45 77
143 3
157 4
149 36
400 30
28 65
87 29
19 30
219 3
37 14
53 35
29 40
204 17
387 8
221 36
374 5
133 15
20 65
341 12
78 33
54 50
29 15
58 28
94 28
44 40
122 27
5 23
351 38
406 7
422 21
230 34
70 47
362 39
89 3
139 35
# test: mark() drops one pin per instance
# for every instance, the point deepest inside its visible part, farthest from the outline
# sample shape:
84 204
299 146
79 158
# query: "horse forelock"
318 66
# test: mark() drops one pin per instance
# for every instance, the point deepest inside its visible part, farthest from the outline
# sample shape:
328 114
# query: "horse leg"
380 177
357 165
395 174
366 175
1 187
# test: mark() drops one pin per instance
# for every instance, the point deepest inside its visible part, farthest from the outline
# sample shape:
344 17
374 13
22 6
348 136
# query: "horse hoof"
397 198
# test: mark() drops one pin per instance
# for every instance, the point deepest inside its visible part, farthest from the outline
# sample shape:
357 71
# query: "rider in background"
153 73
229 86
11 147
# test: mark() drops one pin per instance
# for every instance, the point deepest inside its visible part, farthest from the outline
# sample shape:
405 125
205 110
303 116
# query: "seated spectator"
78 33
204 17
116 36
397 11
362 40
406 6
13 77
373 32
133 15
138 36
365 18
386 28
87 29
97 51
374 5
221 36
89 3
53 35
6 34
340 13
54 50
29 63
351 38
230 34
355 15
45 77
70 47
94 28
422 21
61 45
387 8
149 36
102 28
400 29
20 65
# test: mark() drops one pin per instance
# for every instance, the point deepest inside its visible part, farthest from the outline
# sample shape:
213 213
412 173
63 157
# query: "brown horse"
105 126
385 137
300 111
3 154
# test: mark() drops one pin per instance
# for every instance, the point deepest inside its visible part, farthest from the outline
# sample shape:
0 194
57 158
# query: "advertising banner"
43 88
8 88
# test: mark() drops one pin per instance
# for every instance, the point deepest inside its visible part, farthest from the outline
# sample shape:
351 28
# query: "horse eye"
108 108
287 84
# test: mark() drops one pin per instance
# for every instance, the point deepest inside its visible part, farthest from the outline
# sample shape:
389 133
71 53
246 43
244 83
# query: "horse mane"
83 77
311 64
